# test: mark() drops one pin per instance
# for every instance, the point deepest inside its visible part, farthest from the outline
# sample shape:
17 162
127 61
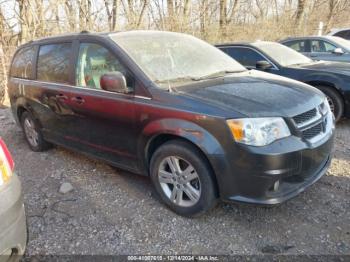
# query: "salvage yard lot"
111 211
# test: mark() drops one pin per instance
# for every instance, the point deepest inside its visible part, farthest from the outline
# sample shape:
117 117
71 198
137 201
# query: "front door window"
93 62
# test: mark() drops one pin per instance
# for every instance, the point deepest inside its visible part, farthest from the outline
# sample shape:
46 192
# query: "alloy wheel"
331 103
31 133
179 181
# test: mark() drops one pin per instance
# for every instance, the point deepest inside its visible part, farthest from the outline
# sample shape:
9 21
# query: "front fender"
189 131
324 78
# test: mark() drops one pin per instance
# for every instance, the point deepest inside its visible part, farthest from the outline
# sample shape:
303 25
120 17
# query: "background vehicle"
13 233
343 33
329 48
332 78
173 107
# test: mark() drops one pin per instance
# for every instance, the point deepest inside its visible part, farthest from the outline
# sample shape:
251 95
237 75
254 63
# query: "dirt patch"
115 212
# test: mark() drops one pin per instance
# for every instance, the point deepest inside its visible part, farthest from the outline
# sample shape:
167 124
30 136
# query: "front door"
322 50
103 121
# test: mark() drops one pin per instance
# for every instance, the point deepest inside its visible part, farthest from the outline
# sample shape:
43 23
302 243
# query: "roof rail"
84 32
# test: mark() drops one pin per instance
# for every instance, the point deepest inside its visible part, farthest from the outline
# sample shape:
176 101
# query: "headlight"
327 106
258 131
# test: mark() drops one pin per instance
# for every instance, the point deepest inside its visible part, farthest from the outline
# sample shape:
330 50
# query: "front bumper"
275 173
13 231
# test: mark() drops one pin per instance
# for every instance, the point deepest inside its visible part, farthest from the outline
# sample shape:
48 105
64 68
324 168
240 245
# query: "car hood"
256 94
327 66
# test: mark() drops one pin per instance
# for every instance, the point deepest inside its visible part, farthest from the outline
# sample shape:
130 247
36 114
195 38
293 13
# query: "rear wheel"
183 178
335 101
33 134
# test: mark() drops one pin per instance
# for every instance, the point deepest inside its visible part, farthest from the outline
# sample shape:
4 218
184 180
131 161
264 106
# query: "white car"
342 32
13 230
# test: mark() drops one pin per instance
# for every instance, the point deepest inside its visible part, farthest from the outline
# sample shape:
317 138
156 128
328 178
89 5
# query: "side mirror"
263 65
338 51
114 82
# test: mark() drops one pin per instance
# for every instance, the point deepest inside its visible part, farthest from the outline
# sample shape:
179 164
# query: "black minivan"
173 107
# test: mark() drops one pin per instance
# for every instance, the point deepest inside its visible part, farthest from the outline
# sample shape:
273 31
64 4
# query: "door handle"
79 100
61 97
313 55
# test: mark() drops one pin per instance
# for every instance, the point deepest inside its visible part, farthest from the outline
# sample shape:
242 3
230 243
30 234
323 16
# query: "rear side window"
299 46
344 34
53 63
22 65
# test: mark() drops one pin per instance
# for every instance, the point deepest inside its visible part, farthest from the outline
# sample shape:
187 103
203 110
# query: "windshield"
283 55
169 58
341 41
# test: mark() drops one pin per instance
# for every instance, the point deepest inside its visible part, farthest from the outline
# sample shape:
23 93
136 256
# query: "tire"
335 101
198 194
33 133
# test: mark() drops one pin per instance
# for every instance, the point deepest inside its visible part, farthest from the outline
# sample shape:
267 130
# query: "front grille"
305 117
312 123
312 131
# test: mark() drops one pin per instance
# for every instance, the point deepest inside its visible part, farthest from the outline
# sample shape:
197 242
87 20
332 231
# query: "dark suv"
175 108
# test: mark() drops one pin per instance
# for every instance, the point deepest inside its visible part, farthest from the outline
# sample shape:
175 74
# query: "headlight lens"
258 131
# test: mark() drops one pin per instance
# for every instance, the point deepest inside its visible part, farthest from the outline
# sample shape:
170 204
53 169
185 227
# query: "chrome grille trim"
307 118
315 124
313 131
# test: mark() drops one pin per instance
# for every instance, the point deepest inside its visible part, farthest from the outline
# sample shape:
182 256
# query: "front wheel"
183 178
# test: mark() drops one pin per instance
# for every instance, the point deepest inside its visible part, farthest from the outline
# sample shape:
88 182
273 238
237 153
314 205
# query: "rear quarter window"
344 34
299 46
22 65
53 62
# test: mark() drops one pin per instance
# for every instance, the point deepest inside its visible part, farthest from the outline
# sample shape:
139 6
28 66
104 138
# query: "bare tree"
112 14
300 11
226 15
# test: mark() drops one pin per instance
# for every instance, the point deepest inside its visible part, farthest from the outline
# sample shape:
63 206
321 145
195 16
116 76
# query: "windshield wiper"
178 79
217 74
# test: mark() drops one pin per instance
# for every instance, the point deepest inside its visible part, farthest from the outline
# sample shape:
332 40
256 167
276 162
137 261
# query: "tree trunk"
203 14
114 15
70 14
142 13
223 18
171 13
300 12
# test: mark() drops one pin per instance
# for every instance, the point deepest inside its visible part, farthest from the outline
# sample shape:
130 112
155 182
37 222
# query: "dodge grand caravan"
173 107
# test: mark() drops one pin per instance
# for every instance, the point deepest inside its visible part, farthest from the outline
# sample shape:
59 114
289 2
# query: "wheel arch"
332 86
163 138
159 132
20 110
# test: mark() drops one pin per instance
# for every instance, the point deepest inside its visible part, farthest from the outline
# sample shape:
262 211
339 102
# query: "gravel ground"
111 211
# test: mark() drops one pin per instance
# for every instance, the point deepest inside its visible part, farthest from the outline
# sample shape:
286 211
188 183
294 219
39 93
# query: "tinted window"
22 65
245 56
299 46
53 63
93 62
320 46
344 34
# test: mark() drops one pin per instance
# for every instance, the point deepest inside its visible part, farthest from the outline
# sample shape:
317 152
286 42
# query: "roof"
87 34
336 30
234 43
246 43
308 37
